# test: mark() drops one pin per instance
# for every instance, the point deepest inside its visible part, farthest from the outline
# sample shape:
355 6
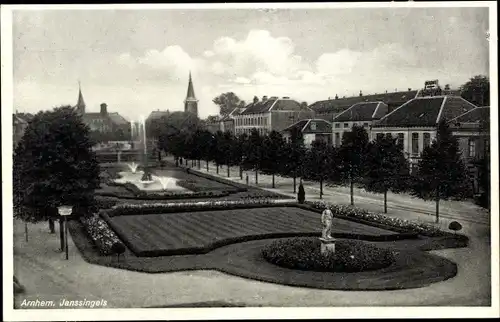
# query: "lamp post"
65 211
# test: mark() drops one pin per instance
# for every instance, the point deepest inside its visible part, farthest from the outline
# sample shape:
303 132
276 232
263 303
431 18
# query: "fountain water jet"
133 167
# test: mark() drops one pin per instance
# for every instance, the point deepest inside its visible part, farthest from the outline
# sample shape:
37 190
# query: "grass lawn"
203 231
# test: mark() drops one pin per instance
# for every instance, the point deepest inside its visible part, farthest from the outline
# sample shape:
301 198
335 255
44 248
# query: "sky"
137 61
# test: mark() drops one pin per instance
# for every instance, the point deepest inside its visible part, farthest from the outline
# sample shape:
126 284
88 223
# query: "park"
187 235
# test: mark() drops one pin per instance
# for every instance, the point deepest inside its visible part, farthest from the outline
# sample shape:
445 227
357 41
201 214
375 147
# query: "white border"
233 313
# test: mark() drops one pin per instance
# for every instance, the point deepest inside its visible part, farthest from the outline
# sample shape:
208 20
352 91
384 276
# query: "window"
414 143
401 138
313 126
337 125
380 136
337 139
346 125
427 140
472 148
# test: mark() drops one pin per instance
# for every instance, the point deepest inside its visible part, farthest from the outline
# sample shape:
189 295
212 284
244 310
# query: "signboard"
431 84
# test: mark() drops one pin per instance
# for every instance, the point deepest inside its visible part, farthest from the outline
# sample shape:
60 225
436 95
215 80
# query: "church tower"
191 103
80 105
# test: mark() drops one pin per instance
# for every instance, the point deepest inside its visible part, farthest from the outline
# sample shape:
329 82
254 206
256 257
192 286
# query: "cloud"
263 64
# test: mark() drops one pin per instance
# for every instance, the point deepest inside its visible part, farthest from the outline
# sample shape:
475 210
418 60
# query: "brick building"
270 114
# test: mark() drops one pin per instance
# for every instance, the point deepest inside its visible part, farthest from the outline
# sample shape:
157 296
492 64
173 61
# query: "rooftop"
274 103
426 111
341 104
311 126
363 112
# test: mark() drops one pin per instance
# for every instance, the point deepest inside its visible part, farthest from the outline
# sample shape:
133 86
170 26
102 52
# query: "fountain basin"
157 184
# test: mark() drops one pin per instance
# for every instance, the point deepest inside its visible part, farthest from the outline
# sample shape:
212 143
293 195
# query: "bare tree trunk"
352 192
385 201
199 164
61 233
437 205
26 230
294 183
207 165
217 168
273 181
228 171
321 188
52 226
256 177
241 172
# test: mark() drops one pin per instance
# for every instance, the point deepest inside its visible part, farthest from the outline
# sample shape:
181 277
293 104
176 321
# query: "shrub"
100 233
301 195
305 254
455 226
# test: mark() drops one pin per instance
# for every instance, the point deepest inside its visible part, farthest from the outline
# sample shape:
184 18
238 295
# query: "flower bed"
100 233
154 208
350 212
305 254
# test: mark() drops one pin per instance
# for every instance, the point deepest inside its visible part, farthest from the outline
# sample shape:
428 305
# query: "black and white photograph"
265 160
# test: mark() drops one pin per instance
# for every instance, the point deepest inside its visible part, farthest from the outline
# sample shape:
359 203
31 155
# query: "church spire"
80 105
191 103
190 92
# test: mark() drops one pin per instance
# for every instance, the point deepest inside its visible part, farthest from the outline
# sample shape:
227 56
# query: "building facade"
360 114
414 123
312 130
270 114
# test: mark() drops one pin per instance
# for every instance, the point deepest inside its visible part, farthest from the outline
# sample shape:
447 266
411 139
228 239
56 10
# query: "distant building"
112 126
270 114
191 103
414 123
312 130
225 123
330 108
156 115
361 114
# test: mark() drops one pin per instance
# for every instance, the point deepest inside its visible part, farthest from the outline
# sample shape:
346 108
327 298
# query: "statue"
327 221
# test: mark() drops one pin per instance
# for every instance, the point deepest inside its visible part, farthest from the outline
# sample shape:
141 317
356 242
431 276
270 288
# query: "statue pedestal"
327 246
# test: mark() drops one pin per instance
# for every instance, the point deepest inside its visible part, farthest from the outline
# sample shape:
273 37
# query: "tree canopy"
227 102
54 165
477 90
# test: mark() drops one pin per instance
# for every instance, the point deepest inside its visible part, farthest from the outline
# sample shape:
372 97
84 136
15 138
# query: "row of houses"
413 122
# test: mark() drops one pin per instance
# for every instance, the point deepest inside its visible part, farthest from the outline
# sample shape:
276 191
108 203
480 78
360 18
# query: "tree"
318 163
254 153
351 156
294 153
231 151
220 150
477 90
54 165
441 172
227 102
241 152
272 156
386 167
303 105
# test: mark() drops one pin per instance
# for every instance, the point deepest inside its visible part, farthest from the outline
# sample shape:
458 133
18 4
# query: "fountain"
144 179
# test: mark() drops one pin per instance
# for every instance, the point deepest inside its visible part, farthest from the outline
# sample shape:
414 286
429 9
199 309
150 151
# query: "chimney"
360 93
255 99
336 97
409 89
286 97
264 98
104 109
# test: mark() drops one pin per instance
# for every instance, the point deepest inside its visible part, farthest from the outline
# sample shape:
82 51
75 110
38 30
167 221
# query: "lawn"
202 231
